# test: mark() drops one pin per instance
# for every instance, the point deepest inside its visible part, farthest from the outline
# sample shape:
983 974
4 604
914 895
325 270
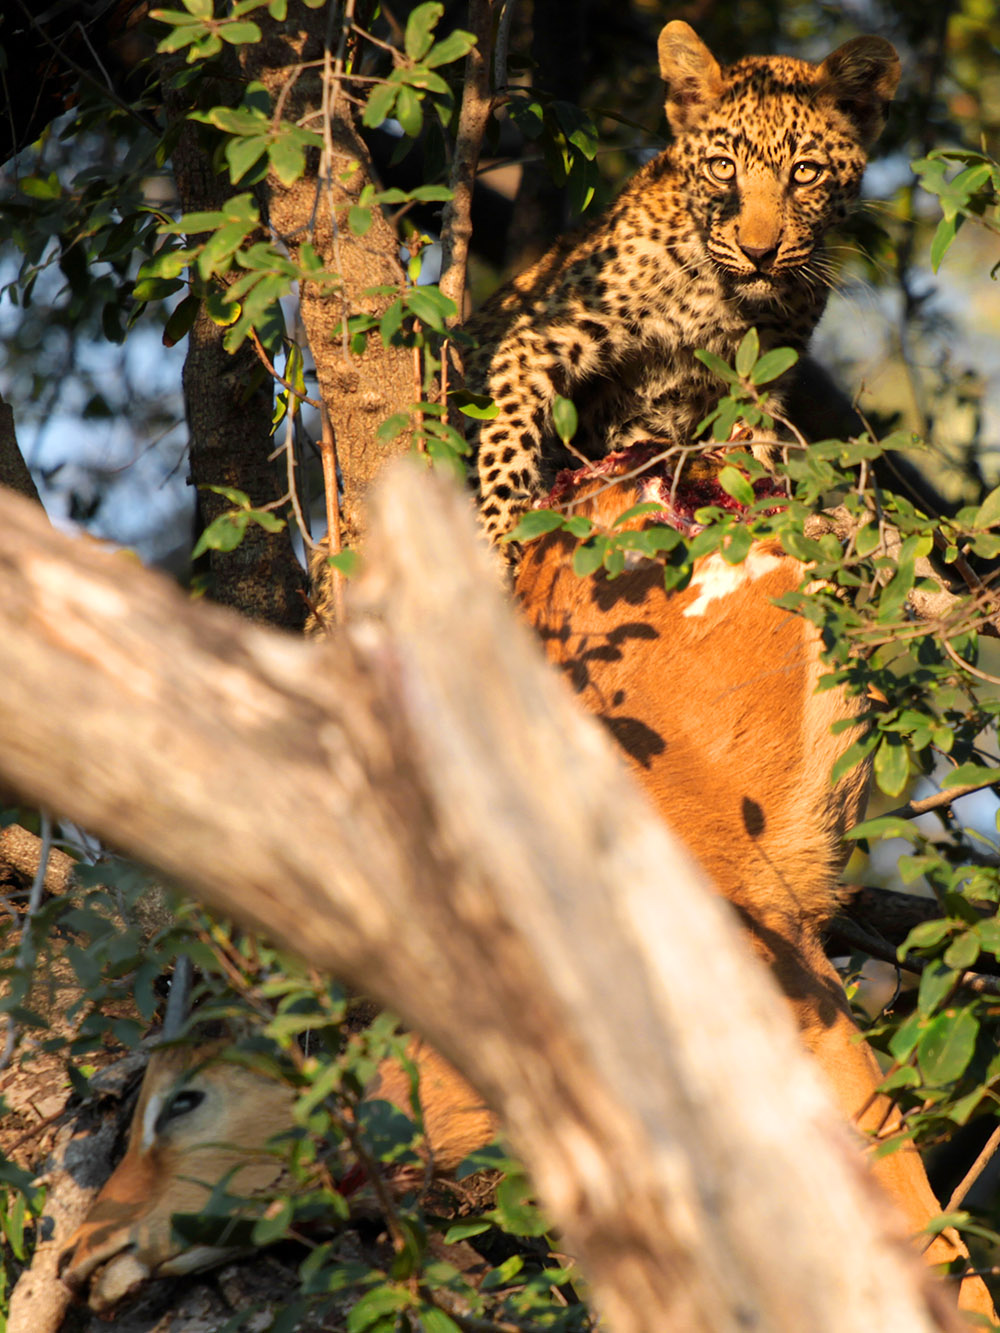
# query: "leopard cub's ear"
691 73
861 77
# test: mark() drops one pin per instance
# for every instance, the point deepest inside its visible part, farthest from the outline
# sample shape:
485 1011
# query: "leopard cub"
722 232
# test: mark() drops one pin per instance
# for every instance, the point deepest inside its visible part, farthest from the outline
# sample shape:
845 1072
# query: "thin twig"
974 1172
938 800
477 104
328 454
265 361
293 490
502 46
418 391
973 671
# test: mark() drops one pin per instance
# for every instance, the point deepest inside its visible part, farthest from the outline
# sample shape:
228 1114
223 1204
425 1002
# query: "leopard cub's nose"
762 256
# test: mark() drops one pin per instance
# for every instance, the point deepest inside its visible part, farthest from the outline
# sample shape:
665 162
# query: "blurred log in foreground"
421 809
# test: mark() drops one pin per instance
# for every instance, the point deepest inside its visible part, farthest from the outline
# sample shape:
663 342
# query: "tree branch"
13 469
477 103
420 808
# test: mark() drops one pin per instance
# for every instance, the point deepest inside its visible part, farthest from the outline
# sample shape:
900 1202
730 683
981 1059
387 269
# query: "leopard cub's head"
771 151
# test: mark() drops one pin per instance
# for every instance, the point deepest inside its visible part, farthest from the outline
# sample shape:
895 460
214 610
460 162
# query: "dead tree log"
419 808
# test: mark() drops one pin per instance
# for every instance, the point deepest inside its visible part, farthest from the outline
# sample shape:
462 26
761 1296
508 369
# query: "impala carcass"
711 693
202 1120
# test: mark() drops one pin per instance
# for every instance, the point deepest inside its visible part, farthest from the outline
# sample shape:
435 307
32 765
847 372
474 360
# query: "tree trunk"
229 400
362 390
419 808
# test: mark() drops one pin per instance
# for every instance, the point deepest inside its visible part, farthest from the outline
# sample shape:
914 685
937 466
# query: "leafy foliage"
125 259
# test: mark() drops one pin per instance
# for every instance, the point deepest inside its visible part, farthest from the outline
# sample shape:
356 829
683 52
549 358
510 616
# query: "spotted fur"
720 233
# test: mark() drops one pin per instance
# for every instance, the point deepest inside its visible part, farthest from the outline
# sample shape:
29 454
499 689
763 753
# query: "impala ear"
861 77
691 73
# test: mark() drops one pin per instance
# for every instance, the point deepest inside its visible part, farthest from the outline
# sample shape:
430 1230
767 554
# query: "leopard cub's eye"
804 173
722 168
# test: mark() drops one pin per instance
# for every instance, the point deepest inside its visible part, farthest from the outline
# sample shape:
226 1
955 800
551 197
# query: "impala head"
202 1121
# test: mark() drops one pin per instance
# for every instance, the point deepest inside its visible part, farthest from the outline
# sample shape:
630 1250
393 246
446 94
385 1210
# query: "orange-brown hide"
711 694
200 1117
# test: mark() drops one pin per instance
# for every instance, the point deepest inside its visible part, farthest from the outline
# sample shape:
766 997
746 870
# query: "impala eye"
182 1103
804 173
722 168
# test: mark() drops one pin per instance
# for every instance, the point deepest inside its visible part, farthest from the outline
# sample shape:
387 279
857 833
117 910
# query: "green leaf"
967 775
479 406
175 19
275 1224
801 547
578 526
896 591
431 306
717 366
223 534
936 984
427 81
380 104
181 320
737 546
516 1212
963 951
38 187
726 418
244 153
392 426
232 494
266 520
536 523
884 826
235 33
589 556
463 1230
434 1320
926 936
772 364
564 418
359 219
391 322
734 483
287 156
906 1036
947 230
637 511
747 353
420 27
947 1046
409 112
867 539
375 1305
988 513
892 765
453 47
348 562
